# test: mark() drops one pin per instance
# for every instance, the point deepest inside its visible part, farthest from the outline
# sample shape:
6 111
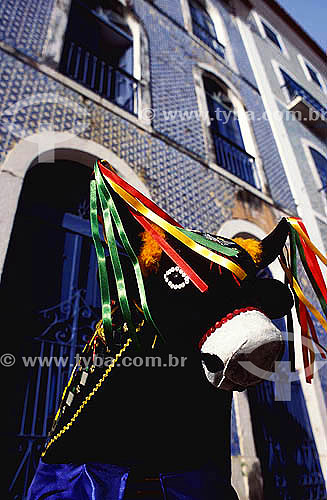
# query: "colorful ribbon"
103 277
128 249
296 224
214 245
110 174
113 252
173 230
299 241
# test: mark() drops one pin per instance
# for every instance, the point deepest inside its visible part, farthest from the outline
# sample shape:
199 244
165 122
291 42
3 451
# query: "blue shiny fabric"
94 481
78 482
202 484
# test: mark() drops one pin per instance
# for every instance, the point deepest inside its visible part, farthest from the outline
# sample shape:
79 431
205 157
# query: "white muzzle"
248 337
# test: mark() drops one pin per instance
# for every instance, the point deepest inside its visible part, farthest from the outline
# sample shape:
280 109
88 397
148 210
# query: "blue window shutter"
321 165
124 87
292 87
204 28
271 35
225 122
201 17
314 76
233 130
126 60
197 15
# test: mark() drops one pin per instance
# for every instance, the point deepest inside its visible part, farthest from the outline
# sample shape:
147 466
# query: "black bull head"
230 321
143 411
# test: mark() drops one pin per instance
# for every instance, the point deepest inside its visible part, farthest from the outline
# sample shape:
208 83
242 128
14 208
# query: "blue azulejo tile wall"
24 25
194 195
173 55
173 8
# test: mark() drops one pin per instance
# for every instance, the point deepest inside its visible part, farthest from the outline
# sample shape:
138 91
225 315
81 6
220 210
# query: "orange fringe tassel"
150 253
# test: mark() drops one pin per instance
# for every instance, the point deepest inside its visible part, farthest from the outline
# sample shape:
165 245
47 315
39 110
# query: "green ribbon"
103 277
114 256
213 245
110 215
128 248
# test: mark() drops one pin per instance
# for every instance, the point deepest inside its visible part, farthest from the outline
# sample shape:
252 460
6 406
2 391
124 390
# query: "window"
271 35
321 165
314 75
226 133
204 28
98 53
311 72
221 111
295 90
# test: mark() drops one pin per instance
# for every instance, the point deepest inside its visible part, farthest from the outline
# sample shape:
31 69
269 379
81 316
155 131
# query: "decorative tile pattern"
172 56
173 94
23 25
176 182
172 8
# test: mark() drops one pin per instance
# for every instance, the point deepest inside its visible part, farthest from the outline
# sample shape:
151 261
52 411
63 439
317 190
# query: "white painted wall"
261 59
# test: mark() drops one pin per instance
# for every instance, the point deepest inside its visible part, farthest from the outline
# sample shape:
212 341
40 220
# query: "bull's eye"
176 278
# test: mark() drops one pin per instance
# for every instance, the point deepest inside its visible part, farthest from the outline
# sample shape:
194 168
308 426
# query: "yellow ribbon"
294 223
149 214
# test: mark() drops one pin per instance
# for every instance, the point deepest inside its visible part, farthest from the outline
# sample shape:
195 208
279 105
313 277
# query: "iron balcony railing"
234 159
295 90
108 81
208 39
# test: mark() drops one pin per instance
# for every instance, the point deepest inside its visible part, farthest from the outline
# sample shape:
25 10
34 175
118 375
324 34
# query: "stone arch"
48 147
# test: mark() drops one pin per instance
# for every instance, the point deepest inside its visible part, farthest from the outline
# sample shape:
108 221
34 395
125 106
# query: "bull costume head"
167 290
230 321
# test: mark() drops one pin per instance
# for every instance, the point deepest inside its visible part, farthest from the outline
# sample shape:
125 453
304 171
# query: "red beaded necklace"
220 323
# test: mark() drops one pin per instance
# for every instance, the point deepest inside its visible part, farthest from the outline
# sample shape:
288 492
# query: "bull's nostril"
213 363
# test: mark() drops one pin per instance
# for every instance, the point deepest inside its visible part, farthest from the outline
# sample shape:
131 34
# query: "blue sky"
311 15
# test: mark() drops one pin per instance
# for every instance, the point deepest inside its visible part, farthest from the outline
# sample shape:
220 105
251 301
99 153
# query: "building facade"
291 72
177 96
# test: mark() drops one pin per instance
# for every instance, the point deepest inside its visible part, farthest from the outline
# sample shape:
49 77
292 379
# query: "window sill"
236 180
208 48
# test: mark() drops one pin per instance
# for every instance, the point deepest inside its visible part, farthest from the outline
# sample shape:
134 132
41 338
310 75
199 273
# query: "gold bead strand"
88 397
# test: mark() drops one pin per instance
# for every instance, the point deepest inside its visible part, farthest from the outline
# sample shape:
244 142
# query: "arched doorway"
50 301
